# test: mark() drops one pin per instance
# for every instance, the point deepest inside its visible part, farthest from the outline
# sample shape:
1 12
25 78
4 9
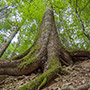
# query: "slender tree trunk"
13 52
47 52
4 46
4 15
3 8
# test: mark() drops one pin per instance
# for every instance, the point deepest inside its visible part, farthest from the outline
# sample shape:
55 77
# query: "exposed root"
24 66
9 67
43 83
9 64
65 57
40 81
80 55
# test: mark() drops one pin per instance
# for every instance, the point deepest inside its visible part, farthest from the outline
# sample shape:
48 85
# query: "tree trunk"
4 46
13 52
47 52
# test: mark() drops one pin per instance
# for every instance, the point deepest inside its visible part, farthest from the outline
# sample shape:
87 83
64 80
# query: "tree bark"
4 46
47 53
13 52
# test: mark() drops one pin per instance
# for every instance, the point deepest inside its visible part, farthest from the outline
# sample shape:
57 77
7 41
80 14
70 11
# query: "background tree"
4 46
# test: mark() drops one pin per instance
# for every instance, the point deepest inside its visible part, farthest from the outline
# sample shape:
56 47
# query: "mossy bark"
47 52
41 80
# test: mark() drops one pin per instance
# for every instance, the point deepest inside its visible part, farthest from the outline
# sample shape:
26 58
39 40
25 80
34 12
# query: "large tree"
47 53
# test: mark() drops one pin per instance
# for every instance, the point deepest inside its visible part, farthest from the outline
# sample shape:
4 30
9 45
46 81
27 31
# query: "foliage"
27 14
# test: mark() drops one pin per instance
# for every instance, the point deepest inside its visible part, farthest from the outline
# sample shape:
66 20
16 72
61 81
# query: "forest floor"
79 75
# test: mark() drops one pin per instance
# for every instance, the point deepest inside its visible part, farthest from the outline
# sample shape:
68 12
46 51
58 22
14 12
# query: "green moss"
75 50
66 89
43 83
36 47
29 58
41 80
22 64
38 82
23 88
69 50
55 62
31 85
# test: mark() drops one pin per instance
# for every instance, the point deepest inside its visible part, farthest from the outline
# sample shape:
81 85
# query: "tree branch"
3 8
82 25
85 6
